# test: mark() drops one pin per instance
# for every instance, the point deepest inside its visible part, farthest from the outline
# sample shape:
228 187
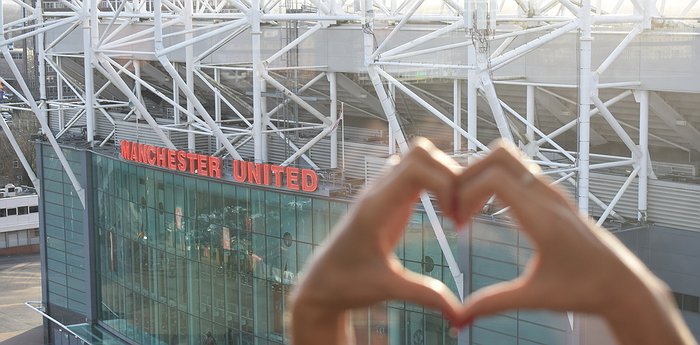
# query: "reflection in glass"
181 257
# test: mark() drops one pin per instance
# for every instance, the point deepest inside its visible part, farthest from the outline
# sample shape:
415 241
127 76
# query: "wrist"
313 320
647 314
311 324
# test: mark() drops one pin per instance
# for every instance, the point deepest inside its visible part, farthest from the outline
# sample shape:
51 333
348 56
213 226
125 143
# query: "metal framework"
470 45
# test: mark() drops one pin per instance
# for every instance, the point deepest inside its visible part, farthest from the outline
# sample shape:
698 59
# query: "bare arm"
577 266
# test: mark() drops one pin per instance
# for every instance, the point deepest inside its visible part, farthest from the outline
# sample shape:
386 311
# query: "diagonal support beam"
398 136
425 38
359 92
292 44
20 154
277 85
618 196
532 45
42 119
396 29
616 126
108 71
430 108
489 92
557 109
308 145
390 113
216 130
674 120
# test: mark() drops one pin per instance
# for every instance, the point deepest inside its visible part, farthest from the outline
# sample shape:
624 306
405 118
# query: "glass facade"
183 257
498 254
64 239
189 260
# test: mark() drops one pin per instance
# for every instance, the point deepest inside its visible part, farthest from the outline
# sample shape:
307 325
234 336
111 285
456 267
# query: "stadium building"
194 153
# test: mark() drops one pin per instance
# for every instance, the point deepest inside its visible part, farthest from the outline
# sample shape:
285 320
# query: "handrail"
40 310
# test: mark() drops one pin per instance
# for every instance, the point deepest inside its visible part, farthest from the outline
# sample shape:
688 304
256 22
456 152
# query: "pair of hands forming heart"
577 266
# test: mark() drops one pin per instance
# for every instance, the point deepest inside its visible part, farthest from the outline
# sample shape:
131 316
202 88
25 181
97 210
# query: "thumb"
514 294
426 291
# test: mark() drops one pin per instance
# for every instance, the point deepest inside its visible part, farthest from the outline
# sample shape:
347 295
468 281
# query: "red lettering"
309 180
134 152
266 174
151 155
161 158
171 159
143 153
215 167
239 170
254 172
293 178
126 153
181 162
202 165
278 171
192 157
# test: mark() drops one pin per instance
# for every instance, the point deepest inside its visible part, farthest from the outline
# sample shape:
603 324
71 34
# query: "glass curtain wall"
185 259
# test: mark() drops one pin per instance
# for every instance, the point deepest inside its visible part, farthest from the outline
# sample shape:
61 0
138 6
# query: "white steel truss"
132 52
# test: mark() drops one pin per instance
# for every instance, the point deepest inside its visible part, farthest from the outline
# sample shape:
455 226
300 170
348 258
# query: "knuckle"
497 175
420 151
503 154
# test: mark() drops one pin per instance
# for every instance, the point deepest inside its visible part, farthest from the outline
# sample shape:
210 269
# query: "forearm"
311 326
648 315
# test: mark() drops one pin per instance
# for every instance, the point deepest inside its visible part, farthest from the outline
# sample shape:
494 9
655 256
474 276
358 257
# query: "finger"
512 168
528 203
505 155
425 291
496 299
515 162
424 168
428 168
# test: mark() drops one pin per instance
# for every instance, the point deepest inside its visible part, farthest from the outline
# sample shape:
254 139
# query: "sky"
671 7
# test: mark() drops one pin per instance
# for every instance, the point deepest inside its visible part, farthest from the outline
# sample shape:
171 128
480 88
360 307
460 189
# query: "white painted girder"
205 12
562 113
674 120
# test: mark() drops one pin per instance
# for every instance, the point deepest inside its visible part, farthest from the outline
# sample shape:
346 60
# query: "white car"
6 115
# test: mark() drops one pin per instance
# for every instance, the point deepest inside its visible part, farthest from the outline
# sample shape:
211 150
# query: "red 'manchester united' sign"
210 166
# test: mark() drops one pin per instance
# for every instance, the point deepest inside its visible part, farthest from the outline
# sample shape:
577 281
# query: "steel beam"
584 114
332 81
644 161
457 115
674 120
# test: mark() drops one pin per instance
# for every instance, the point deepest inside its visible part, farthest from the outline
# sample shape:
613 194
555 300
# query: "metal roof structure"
583 86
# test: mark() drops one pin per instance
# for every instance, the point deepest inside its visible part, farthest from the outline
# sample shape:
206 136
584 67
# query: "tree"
23 126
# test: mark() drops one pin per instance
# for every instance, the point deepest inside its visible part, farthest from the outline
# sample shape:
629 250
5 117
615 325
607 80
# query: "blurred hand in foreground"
577 266
356 266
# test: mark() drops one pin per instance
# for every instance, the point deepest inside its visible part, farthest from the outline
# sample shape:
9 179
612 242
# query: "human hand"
356 266
577 266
